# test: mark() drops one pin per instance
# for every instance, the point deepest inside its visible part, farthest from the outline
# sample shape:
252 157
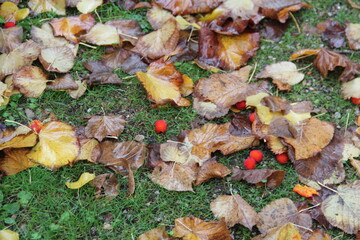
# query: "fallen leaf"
193 228
79 91
106 185
342 209
84 179
57 59
128 29
155 234
285 231
211 169
15 160
280 10
134 64
160 42
72 27
352 33
305 191
100 127
282 211
10 39
260 177
351 89
284 74
86 150
58 145
226 52
87 6
334 34
102 34
174 176
11 13
101 73
19 138
65 82
31 81
40 6
319 234
356 165
179 7
162 83
274 30
113 59
234 209
157 16
9 235
178 152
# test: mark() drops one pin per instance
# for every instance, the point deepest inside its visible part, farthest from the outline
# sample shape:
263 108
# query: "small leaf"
305 191
84 179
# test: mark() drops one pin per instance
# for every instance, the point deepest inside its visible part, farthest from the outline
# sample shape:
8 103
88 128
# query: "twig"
327 187
87 45
127 35
128 77
353 5
189 229
10 121
98 16
300 69
253 72
320 114
189 38
303 227
303 210
296 22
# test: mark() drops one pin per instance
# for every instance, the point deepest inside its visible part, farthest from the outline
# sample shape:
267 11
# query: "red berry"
252 117
36 125
282 158
250 163
257 155
9 25
355 100
160 126
241 105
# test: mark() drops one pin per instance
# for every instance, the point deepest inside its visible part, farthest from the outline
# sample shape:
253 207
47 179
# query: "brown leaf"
128 29
183 7
106 185
134 64
174 176
160 42
10 39
79 91
284 74
178 152
57 59
65 82
211 169
234 209
72 27
115 57
334 34
342 209
319 234
282 211
280 10
102 34
192 228
274 30
326 167
273 178
40 6
310 137
352 33
282 232
31 81
100 127
226 52
157 16
15 160
155 234
162 83
356 165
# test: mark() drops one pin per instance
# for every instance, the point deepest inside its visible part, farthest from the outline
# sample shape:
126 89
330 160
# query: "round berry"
9 25
355 101
257 155
282 158
160 126
241 105
252 117
250 163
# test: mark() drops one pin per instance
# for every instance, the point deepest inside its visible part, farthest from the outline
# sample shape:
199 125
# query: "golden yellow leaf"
21 137
11 13
15 160
84 179
7 234
58 145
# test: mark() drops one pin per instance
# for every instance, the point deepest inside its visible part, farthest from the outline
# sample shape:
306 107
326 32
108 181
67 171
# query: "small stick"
303 210
320 114
128 77
87 45
327 187
305 67
189 229
98 16
303 227
127 35
296 22
10 121
253 72
191 32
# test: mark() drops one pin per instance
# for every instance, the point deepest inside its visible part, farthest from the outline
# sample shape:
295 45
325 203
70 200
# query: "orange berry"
160 126
257 155
36 126
282 158
250 163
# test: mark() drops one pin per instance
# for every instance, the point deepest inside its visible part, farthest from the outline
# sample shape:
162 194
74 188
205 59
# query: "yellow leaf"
58 145
8 235
11 13
84 179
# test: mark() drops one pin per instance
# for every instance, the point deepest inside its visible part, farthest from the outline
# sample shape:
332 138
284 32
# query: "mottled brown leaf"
65 82
10 39
128 29
282 232
334 34
106 185
183 7
155 234
211 169
274 30
100 127
15 160
272 178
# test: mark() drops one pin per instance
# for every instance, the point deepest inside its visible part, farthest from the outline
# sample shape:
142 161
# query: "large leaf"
57 59
58 145
100 127
40 6
286 231
234 209
342 210
260 177
102 34
11 13
10 39
19 138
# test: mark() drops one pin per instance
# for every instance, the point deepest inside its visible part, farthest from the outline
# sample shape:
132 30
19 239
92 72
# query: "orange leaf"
305 191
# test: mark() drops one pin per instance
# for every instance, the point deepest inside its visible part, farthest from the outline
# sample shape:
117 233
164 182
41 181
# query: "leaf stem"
323 185
296 22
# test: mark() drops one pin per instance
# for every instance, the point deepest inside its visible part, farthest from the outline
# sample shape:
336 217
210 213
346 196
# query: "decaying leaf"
87 147
284 74
58 145
342 209
106 186
81 88
352 33
100 73
15 160
282 211
102 34
180 7
193 228
31 81
87 6
128 29
319 234
10 39
65 82
160 42
57 59
286 231
178 152
272 178
234 209
334 34
11 13
84 179
351 89
356 165
100 127
19 138
155 234
40 6
72 27
157 16
211 169
305 191
163 83
280 10
226 52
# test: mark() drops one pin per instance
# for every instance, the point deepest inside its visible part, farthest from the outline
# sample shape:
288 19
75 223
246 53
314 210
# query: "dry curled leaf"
234 209
58 145
40 6
83 179
193 228
260 177
100 127
305 191
81 88
65 82
211 169
155 234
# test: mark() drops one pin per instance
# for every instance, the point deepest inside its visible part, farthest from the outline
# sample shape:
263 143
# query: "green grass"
37 204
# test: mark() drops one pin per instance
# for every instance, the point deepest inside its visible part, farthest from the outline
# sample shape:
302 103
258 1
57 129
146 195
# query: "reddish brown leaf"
65 82
273 178
155 234
183 7
15 160
100 127
280 10
274 30
211 169
334 34
101 73
106 185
